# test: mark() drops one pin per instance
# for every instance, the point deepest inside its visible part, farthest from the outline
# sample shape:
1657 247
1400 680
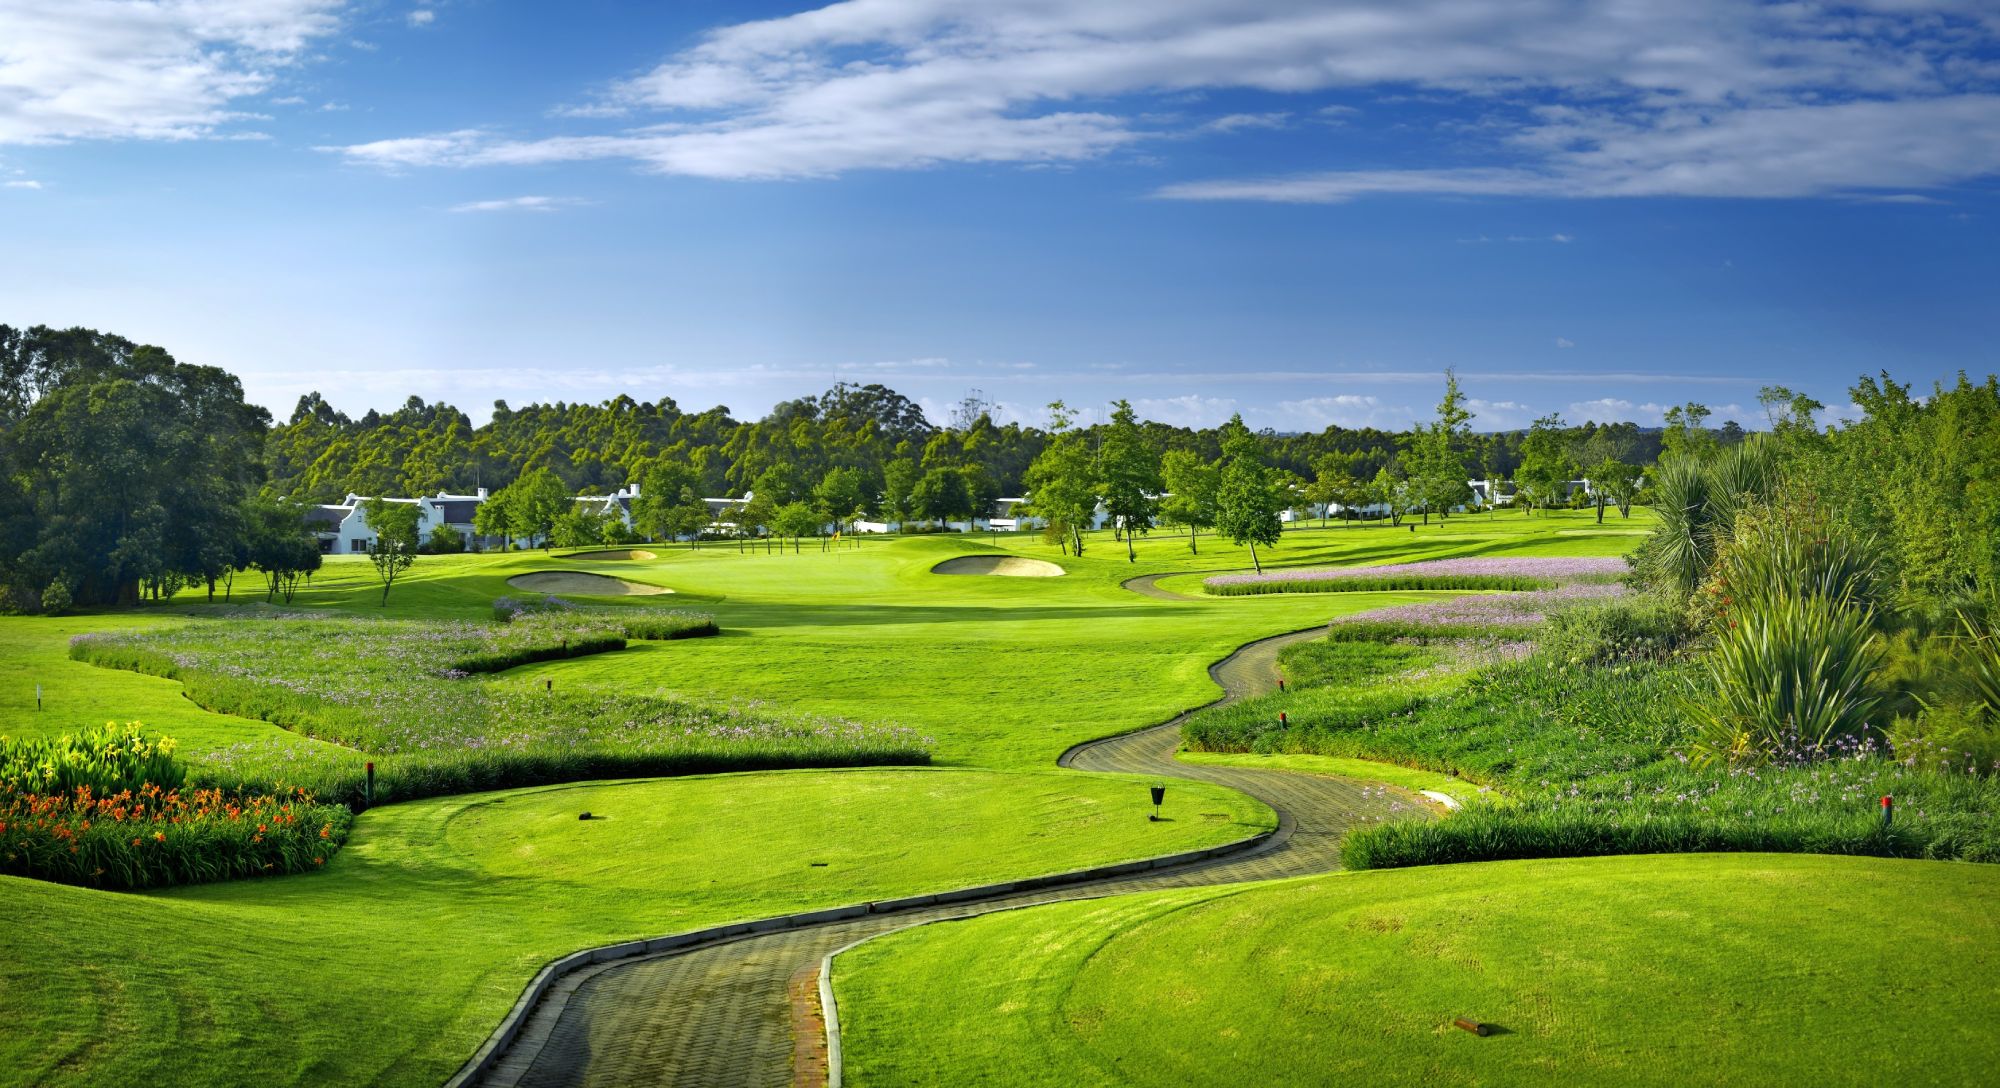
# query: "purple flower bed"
1489 609
1553 569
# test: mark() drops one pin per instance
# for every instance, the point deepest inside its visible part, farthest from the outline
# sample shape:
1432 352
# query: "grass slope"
392 965
1707 969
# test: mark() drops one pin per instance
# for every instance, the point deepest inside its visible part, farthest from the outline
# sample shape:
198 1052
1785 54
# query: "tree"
840 492
1546 467
1686 433
1247 502
1061 483
395 546
940 495
123 467
280 545
1191 486
686 518
795 519
1128 476
1392 490
577 529
534 502
1333 481
444 540
1437 469
495 517
899 481
660 490
1616 482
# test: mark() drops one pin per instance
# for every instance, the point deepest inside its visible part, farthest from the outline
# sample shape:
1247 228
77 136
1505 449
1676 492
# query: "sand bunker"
613 554
1007 566
583 584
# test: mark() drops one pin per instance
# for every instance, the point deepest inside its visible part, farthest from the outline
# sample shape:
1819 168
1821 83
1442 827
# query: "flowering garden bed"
107 809
410 697
1513 573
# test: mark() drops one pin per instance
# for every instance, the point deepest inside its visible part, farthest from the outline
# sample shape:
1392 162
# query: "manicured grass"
390 966
1719 969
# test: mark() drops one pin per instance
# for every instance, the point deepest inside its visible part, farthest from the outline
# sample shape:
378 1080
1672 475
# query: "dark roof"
327 515
457 511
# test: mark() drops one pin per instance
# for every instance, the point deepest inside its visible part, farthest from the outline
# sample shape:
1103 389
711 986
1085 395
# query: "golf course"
421 932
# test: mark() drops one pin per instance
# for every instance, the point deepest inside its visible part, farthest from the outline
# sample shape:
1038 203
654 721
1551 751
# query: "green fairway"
1661 970
392 965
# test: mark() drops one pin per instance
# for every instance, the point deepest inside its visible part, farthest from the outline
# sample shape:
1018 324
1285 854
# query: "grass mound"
583 584
611 555
1613 971
1006 566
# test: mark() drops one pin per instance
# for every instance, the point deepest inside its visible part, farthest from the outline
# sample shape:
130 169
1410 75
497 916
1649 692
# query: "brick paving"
722 1014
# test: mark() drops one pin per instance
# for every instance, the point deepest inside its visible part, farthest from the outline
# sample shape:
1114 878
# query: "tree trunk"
1130 555
1253 558
1600 510
1192 549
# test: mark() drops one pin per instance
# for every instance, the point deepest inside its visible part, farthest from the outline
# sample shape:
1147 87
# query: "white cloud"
1699 97
518 204
144 69
421 17
1236 122
1191 410
1565 342
1343 410
21 184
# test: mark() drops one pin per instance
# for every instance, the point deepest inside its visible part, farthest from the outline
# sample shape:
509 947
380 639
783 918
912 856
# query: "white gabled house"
342 528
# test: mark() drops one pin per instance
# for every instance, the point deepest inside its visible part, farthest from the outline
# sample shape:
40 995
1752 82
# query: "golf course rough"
1006 566
583 584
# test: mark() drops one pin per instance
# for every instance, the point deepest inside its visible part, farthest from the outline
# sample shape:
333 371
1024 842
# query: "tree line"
128 473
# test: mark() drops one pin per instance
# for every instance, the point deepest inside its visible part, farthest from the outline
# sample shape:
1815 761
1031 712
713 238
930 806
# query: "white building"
342 528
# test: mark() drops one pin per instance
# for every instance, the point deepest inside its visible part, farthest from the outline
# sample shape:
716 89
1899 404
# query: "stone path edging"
496 1044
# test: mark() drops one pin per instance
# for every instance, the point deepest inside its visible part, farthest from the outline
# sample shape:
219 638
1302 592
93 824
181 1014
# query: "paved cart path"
722 1014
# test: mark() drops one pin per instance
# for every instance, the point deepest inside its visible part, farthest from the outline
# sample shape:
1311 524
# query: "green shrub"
105 761
1787 681
56 598
1363 584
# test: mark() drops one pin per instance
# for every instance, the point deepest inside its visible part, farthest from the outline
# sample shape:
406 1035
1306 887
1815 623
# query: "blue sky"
1302 212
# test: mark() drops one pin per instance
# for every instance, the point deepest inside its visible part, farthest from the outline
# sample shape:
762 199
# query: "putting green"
1740 969
614 555
1006 566
583 584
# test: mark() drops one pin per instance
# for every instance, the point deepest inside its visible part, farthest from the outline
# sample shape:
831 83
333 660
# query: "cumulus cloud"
1344 410
421 17
21 184
145 69
1565 342
1697 98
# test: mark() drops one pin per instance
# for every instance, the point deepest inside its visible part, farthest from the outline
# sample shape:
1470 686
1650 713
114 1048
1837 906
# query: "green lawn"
392 965
1750 969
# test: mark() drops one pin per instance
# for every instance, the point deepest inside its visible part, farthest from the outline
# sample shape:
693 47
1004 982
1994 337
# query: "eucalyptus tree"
1191 484
1128 476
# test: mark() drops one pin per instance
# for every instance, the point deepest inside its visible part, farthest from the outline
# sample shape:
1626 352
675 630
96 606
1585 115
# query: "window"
360 545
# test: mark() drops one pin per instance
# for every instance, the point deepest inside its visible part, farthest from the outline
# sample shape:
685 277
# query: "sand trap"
1007 566
582 584
613 554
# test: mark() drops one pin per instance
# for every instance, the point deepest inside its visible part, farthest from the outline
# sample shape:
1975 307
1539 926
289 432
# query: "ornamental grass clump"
1785 682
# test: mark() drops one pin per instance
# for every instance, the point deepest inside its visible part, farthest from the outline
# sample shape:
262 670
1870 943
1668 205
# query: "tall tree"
1333 481
1061 482
1546 467
1191 489
1686 433
536 500
1128 476
1247 500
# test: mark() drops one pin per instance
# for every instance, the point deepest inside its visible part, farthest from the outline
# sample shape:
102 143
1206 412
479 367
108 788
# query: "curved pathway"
723 1013
1148 585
